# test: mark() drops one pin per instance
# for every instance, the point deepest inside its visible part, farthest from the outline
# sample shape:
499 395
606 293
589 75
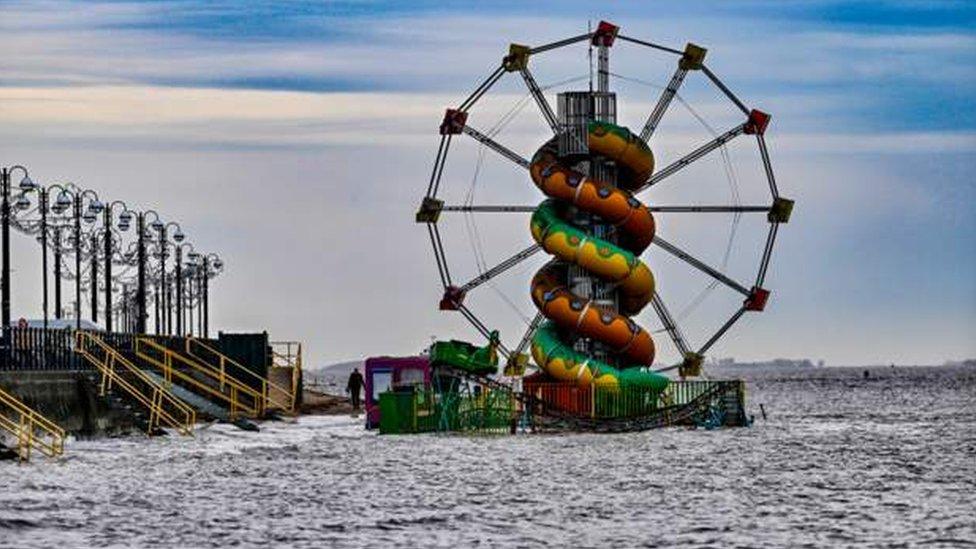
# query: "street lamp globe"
27 184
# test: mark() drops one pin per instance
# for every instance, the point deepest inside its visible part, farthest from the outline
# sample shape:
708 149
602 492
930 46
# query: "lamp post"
212 265
71 195
67 196
89 216
178 237
44 208
57 273
180 317
95 207
93 277
124 221
193 294
5 174
142 315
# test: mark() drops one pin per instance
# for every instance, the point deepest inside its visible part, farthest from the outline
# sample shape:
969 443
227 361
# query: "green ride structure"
584 362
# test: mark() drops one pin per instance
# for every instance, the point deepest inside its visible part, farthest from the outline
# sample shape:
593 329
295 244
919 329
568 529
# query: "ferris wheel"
596 221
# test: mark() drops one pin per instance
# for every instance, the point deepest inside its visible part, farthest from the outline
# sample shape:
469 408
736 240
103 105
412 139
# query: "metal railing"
680 393
288 354
217 384
40 349
117 371
597 402
30 429
35 349
275 396
621 402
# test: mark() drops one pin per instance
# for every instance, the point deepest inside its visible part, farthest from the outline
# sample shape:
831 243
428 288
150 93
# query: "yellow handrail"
163 406
31 429
268 387
223 386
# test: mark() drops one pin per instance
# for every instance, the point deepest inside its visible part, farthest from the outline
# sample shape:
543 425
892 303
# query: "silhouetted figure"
353 386
867 374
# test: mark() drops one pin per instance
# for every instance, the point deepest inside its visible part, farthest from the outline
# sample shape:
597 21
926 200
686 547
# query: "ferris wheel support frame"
691 59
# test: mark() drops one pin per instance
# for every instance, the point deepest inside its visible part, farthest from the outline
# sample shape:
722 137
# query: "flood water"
840 461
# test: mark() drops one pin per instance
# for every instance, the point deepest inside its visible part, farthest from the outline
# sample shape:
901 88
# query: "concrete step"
202 405
198 402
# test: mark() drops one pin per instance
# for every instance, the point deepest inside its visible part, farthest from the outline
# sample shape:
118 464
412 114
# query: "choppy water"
841 461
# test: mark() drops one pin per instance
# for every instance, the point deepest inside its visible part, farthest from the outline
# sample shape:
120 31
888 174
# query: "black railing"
40 349
37 349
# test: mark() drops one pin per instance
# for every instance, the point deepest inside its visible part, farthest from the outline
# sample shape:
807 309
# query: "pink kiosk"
387 373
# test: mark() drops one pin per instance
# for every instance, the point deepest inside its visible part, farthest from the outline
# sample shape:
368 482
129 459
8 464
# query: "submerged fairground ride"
583 362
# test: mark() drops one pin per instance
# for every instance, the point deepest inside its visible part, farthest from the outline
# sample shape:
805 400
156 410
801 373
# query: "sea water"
840 460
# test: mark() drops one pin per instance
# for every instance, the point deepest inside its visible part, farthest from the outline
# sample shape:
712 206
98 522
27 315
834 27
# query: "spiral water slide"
570 315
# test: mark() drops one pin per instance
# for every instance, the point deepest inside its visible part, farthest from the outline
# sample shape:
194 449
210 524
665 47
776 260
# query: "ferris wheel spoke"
662 103
669 368
694 155
490 209
767 254
435 174
561 43
527 336
728 93
435 241
496 146
540 99
483 329
708 209
482 89
700 265
721 331
767 165
649 44
669 324
500 268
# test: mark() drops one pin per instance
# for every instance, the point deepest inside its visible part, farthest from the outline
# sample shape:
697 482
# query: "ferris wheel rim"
455 123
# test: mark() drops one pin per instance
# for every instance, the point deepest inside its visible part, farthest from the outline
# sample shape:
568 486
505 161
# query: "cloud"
296 142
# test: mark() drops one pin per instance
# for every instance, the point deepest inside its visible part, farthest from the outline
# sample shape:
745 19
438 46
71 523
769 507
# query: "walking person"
353 386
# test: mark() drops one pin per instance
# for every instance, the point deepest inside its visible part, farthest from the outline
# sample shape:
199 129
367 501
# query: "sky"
295 140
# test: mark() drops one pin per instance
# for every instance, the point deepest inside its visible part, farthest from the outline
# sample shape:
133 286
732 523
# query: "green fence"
427 411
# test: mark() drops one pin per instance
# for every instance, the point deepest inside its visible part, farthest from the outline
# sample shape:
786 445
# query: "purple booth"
386 373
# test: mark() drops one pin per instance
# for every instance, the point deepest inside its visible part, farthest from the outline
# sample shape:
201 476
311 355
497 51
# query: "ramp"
31 430
165 409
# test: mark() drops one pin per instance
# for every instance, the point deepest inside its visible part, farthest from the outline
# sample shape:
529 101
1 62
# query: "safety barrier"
239 398
420 410
29 428
605 403
117 371
596 402
275 396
